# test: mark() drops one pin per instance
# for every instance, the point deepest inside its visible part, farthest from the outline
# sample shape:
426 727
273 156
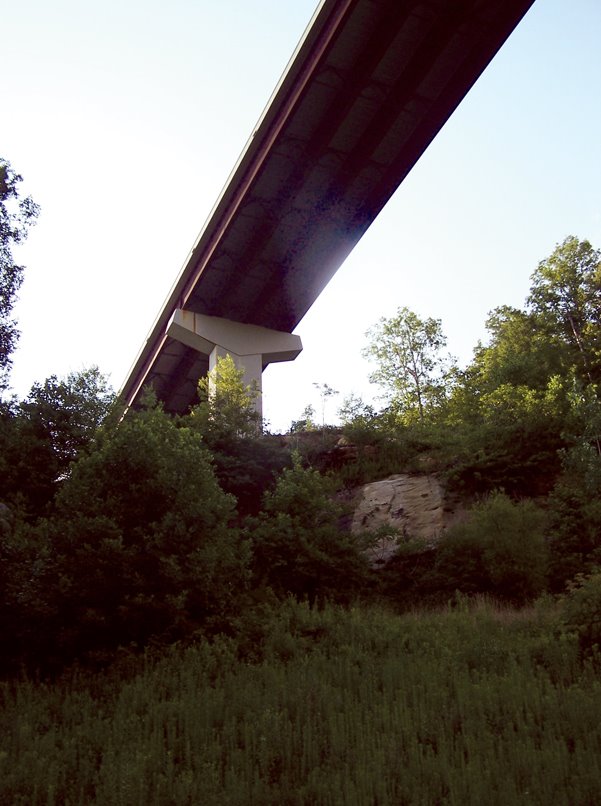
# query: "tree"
68 411
521 351
566 294
305 422
299 547
325 391
16 216
500 550
410 366
42 435
227 406
575 516
528 392
244 460
581 612
142 538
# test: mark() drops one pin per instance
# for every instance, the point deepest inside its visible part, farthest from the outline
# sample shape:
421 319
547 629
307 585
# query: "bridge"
366 91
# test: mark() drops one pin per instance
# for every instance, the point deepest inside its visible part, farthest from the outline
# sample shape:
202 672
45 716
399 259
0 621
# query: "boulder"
414 505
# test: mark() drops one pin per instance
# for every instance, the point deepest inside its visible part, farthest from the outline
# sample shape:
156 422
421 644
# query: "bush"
582 611
298 545
245 461
500 550
575 517
141 546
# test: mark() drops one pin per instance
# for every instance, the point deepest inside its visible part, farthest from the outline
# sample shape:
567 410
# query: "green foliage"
67 412
142 541
16 216
522 351
532 391
245 461
499 550
27 585
575 517
41 436
303 494
566 293
298 544
359 421
227 406
409 367
507 434
305 422
514 443
357 707
581 612
406 580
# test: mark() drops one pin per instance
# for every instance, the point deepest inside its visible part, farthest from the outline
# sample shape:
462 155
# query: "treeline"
148 529
517 431
124 531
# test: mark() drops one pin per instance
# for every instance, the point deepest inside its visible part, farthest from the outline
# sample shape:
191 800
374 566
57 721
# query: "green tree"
67 412
409 363
28 585
566 295
360 424
531 391
353 408
298 544
142 538
575 516
521 351
42 435
244 459
500 550
16 216
581 612
305 422
227 406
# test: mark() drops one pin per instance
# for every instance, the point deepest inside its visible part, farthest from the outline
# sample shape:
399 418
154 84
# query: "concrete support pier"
251 347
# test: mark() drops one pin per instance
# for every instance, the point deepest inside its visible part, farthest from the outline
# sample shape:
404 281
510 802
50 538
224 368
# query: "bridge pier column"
251 347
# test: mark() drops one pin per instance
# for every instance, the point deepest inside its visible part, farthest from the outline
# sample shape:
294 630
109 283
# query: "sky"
125 118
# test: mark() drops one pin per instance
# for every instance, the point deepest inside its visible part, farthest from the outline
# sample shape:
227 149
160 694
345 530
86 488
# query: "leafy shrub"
575 517
141 545
244 460
298 545
582 611
500 550
27 585
43 434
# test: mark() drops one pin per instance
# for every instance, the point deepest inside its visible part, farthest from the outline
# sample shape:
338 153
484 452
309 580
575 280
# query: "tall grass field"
466 706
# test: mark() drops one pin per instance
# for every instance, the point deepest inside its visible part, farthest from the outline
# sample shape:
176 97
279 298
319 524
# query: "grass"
467 706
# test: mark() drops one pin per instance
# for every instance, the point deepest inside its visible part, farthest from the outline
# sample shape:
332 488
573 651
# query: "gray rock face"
413 505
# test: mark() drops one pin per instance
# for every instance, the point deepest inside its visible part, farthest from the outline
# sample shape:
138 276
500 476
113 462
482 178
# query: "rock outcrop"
414 505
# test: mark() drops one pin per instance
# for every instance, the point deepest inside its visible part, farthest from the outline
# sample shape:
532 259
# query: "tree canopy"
565 296
409 364
148 528
16 217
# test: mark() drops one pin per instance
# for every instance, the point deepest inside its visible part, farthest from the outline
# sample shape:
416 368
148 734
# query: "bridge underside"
369 87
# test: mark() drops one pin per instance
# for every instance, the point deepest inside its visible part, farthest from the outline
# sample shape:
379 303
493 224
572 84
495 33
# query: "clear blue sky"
125 118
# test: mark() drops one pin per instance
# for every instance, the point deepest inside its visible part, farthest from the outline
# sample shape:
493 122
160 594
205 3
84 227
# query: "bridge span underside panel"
369 88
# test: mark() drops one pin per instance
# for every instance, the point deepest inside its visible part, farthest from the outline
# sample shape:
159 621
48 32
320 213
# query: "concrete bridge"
366 91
